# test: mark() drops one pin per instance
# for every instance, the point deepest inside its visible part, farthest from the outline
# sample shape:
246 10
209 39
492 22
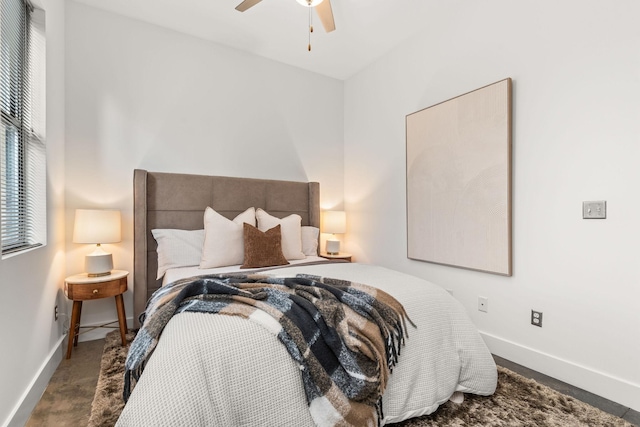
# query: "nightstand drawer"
89 291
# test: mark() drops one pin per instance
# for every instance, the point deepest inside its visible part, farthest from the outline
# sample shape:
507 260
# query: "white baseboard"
616 389
33 393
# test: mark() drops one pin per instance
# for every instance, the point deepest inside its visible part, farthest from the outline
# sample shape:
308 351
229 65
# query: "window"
22 136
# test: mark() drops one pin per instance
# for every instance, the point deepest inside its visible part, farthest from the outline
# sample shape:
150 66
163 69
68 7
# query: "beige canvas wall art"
459 181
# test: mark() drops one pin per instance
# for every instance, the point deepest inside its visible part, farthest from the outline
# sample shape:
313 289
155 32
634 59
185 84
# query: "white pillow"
291 230
177 248
310 240
223 239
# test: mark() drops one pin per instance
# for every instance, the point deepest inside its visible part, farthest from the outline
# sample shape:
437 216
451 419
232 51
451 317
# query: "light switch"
594 210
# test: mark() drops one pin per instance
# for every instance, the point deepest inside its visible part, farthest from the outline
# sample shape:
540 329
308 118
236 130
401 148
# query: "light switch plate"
594 210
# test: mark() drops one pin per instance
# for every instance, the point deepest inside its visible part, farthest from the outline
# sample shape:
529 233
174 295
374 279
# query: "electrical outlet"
483 304
536 318
55 313
594 210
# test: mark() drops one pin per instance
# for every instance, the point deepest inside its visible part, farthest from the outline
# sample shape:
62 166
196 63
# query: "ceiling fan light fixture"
309 3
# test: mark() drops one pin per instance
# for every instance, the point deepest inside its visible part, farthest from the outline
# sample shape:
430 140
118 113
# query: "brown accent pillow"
262 249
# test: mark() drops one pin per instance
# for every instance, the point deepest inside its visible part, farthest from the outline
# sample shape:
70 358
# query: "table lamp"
334 222
97 227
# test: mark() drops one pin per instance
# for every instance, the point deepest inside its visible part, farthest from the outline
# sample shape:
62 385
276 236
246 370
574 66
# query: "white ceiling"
278 29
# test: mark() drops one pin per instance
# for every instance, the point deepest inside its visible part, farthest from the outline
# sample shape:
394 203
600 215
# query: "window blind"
22 136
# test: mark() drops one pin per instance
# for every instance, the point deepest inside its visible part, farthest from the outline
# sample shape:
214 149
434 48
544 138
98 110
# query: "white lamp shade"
334 222
97 226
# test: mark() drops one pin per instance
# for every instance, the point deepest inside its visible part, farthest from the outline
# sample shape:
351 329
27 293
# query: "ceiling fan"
322 7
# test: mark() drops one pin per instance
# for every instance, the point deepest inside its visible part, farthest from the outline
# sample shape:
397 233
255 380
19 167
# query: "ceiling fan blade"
246 4
326 15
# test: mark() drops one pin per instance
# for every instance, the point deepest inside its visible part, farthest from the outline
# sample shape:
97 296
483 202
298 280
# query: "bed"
224 370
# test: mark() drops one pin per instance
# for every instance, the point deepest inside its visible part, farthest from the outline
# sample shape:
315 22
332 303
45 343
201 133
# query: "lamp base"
98 274
333 247
96 265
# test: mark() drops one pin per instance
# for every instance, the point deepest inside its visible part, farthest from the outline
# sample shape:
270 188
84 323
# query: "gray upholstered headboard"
170 200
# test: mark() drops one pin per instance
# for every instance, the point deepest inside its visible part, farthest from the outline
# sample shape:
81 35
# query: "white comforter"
216 370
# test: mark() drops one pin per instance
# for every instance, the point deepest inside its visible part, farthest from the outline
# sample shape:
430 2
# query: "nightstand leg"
74 326
122 319
77 334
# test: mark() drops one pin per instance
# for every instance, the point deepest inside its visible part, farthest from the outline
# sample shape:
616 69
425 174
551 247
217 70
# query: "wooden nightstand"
81 288
342 255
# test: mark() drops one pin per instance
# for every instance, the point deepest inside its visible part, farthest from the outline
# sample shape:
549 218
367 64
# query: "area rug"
517 402
107 400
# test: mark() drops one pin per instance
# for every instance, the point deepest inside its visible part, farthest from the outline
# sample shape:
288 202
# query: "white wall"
140 96
576 73
31 284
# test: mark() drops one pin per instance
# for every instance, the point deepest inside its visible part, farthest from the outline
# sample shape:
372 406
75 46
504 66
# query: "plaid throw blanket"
346 337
